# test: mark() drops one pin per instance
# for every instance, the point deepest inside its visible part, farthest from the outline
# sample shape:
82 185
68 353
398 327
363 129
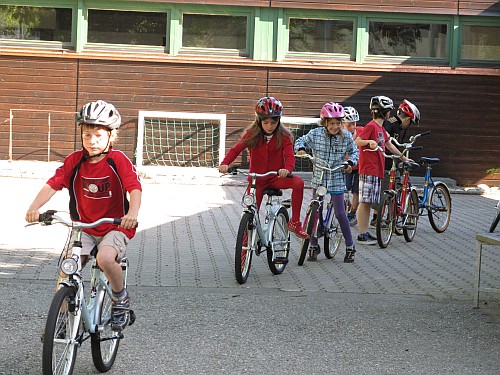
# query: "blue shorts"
369 189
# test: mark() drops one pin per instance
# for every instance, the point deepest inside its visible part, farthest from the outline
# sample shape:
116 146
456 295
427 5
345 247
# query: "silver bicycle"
77 313
270 236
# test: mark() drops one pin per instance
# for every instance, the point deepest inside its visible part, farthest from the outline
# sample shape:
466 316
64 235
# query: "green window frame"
44 44
244 52
411 21
479 22
317 18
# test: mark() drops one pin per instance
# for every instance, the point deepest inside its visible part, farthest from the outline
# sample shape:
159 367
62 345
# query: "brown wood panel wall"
461 111
172 88
402 6
479 8
255 3
43 85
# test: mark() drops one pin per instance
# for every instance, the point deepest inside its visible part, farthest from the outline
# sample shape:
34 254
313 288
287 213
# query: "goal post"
300 126
180 139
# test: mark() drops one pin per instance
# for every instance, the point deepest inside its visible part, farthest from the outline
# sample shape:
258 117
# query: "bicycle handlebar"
316 161
48 217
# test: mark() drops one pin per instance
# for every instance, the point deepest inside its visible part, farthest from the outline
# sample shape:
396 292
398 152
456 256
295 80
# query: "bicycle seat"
429 161
273 192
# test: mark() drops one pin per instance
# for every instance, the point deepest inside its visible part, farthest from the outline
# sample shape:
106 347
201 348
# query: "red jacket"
264 157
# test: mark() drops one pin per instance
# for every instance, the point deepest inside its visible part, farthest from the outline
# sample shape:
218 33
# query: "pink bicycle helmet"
332 110
268 107
410 110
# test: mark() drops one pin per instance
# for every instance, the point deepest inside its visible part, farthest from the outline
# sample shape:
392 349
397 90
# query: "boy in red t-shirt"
98 178
371 164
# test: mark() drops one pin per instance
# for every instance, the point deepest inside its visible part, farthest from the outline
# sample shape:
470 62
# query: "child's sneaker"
120 313
352 219
313 253
349 255
366 239
296 227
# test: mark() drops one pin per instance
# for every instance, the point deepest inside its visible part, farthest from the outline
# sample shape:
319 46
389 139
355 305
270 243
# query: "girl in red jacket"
271 149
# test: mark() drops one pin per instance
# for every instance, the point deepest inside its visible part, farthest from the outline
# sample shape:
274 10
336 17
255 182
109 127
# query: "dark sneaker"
349 255
120 313
313 253
352 219
366 239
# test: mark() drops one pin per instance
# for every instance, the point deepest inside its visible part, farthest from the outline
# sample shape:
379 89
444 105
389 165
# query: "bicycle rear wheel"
243 250
277 256
495 220
62 329
104 344
333 238
439 208
411 216
386 220
311 215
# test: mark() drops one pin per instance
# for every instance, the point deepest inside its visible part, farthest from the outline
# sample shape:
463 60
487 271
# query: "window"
214 31
480 42
121 27
421 40
34 23
321 36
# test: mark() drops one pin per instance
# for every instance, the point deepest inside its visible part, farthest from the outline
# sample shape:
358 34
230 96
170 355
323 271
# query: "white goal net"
180 139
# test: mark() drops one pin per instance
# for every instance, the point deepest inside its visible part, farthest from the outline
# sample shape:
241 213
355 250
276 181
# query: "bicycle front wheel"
439 208
277 255
411 216
105 343
495 221
386 220
311 215
62 329
333 238
243 250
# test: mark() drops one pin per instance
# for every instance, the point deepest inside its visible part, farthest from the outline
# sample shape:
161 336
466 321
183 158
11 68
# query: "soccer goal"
180 139
300 126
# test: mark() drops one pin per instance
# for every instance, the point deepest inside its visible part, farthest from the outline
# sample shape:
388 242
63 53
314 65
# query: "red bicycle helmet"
268 107
410 110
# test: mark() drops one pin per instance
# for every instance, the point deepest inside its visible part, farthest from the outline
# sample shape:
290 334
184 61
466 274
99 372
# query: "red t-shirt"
98 189
372 163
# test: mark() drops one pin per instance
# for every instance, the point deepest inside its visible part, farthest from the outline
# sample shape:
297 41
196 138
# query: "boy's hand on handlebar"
223 168
301 152
32 216
128 221
372 144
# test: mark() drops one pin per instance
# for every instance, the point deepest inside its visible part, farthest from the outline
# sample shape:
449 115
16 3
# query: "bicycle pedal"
410 227
132 317
280 260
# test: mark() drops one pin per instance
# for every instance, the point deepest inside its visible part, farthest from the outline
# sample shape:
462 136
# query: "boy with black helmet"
371 164
98 178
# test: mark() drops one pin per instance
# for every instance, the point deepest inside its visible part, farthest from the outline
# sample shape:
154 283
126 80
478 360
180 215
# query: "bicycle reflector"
321 191
69 266
248 200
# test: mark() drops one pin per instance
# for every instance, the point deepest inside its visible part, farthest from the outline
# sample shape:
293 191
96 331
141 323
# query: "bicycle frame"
253 236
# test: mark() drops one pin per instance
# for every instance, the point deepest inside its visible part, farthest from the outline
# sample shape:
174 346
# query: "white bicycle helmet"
381 103
410 110
100 113
351 115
